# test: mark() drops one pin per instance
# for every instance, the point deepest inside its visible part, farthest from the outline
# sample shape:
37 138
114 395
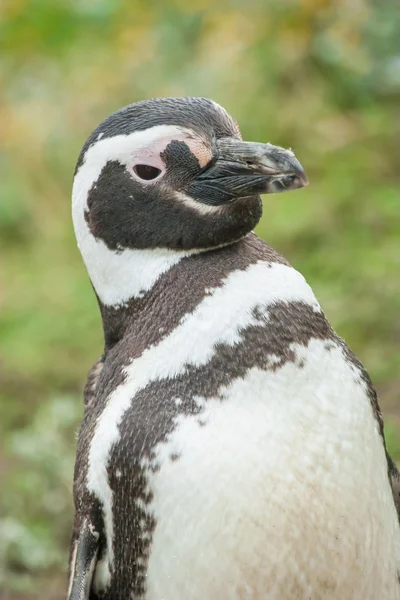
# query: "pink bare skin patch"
151 155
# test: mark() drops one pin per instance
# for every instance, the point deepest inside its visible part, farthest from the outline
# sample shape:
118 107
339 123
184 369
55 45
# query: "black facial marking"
182 165
124 213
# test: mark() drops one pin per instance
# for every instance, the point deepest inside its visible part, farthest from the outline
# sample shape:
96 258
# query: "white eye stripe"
151 154
120 148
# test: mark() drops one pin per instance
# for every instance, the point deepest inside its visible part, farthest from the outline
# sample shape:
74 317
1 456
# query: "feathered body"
232 445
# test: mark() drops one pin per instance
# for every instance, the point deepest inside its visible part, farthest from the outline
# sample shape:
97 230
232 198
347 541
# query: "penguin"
232 445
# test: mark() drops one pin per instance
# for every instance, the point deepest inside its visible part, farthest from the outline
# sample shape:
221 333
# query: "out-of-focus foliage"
322 77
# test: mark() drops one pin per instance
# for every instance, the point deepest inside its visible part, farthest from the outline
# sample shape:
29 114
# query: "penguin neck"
165 295
117 320
123 282
121 276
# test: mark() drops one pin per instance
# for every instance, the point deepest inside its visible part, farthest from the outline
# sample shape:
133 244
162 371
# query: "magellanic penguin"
232 445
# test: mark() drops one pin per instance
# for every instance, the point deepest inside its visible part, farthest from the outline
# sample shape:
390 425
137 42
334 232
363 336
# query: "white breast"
282 495
284 492
218 318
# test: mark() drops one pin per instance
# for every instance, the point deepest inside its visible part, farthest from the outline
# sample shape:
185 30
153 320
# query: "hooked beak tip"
289 174
287 181
302 177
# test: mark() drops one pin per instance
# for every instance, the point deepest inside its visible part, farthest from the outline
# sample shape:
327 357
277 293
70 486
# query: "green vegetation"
322 77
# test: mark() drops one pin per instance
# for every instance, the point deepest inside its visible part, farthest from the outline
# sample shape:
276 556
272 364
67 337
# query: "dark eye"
146 172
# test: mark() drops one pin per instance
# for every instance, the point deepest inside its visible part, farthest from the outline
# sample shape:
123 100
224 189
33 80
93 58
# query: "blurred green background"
321 77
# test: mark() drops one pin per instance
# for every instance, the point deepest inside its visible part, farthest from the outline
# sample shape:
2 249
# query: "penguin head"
164 178
174 173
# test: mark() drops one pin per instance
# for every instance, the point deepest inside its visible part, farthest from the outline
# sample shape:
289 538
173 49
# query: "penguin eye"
146 172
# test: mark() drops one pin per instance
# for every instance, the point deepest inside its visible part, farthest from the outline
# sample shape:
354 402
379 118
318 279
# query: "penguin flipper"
83 562
93 377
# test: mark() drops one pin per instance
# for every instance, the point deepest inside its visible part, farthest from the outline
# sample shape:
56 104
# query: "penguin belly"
276 490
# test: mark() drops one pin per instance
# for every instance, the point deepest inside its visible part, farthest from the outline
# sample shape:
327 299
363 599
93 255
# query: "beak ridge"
243 169
280 165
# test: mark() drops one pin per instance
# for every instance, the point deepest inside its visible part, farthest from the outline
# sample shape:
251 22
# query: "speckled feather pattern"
239 466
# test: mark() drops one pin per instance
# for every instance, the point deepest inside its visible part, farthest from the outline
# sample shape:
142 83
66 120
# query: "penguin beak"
245 169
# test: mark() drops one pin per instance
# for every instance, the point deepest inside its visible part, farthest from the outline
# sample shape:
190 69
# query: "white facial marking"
151 154
118 276
284 490
200 207
219 318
